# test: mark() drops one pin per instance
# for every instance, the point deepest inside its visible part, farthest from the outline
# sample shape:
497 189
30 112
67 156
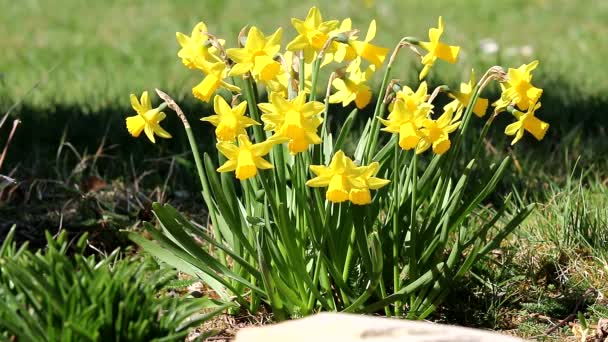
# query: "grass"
73 129
131 46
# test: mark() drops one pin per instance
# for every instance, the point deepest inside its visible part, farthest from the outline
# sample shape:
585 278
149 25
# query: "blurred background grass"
106 50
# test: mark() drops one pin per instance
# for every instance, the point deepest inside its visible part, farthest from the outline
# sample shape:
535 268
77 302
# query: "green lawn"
105 50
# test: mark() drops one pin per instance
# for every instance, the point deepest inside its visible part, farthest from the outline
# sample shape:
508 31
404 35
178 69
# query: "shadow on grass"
574 118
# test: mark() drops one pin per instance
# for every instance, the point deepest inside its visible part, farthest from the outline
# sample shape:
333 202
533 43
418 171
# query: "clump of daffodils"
247 130
295 207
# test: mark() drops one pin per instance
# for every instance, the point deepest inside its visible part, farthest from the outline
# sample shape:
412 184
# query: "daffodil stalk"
370 147
250 96
168 101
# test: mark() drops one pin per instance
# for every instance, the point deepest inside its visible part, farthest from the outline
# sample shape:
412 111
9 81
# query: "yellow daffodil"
462 98
196 46
229 122
216 73
412 99
406 121
518 90
340 177
362 196
246 158
313 33
352 87
372 53
436 49
527 122
258 55
147 119
436 132
294 119
340 48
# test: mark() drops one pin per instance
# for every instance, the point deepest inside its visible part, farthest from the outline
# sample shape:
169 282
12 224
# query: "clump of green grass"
51 295
553 267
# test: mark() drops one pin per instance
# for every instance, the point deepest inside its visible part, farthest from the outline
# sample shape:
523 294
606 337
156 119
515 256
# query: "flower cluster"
410 117
293 117
518 91
346 181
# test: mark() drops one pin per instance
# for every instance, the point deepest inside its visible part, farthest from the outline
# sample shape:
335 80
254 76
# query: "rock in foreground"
352 328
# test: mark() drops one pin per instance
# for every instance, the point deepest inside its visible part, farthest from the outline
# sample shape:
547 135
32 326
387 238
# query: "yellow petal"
220 106
228 149
136 105
228 166
149 133
376 183
161 132
317 182
145 101
513 128
371 31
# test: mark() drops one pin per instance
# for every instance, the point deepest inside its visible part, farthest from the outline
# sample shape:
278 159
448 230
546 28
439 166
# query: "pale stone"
353 328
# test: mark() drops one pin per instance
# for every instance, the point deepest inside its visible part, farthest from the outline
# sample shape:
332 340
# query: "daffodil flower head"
340 177
462 98
147 119
246 158
362 196
352 87
413 99
257 56
340 47
437 49
230 122
436 132
527 122
295 119
195 46
216 73
406 117
313 33
518 89
372 53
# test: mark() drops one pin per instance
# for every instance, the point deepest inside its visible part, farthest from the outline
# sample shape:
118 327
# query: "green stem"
316 65
205 185
349 255
378 110
347 265
302 72
384 294
250 96
413 258
484 133
396 280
